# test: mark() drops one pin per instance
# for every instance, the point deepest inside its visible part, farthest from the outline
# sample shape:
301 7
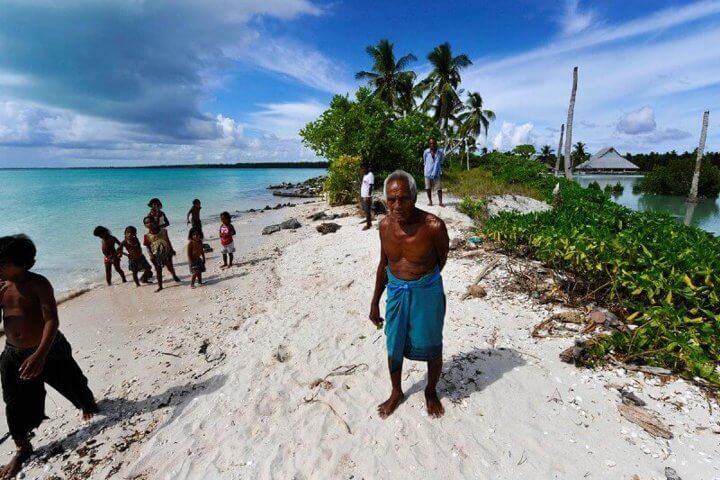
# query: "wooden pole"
693 197
568 133
559 151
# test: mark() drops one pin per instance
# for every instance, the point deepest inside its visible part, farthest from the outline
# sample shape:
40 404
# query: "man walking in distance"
414 246
432 160
366 190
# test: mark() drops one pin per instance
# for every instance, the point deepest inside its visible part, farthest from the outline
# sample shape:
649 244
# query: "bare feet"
13 467
176 278
387 408
435 408
87 416
158 289
366 227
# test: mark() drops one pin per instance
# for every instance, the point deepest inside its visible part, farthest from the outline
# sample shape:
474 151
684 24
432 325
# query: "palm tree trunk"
693 197
467 156
568 134
559 151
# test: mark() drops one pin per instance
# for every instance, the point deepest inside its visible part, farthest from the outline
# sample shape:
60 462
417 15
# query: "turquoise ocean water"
60 208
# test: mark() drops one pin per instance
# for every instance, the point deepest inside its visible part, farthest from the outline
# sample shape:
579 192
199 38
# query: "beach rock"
514 203
671 474
318 216
476 291
325 228
270 229
456 243
290 224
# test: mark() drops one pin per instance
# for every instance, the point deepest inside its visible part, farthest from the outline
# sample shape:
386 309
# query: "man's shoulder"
433 221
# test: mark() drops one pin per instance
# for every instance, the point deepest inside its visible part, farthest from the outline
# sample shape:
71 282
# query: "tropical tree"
579 153
439 90
546 154
390 79
474 119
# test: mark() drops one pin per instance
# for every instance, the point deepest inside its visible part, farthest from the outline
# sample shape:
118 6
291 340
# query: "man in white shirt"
433 160
366 194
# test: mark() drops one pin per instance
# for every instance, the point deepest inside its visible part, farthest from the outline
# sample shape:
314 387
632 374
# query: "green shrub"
475 209
343 182
675 179
666 274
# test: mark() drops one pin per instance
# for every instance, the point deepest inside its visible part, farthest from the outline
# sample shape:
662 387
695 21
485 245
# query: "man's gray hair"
401 175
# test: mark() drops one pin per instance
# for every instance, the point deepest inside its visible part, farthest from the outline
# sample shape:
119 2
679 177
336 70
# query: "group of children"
159 247
36 352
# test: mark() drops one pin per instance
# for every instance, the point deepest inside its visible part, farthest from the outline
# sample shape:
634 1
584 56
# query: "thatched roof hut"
607 160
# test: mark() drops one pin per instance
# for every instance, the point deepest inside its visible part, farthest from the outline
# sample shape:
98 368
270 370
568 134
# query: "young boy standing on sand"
136 259
35 351
158 245
227 232
196 256
112 256
193 216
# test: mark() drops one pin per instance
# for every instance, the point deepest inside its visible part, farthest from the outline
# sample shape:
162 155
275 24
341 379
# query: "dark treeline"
646 161
214 165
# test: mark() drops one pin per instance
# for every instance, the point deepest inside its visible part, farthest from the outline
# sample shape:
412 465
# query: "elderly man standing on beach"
432 161
414 246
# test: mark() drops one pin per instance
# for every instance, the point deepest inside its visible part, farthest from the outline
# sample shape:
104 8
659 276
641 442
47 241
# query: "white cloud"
663 135
638 121
285 120
658 60
512 135
300 63
573 21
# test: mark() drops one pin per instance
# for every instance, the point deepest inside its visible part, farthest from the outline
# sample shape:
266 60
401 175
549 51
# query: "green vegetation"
616 189
500 174
647 161
664 275
675 178
383 125
343 180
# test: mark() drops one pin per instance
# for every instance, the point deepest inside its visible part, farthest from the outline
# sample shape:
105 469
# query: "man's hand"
32 366
375 317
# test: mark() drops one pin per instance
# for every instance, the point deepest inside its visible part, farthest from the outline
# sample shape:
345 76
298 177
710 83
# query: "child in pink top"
227 232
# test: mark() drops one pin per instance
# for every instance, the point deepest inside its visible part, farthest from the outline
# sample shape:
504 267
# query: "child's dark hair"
149 217
193 231
196 201
154 200
131 229
18 250
100 231
225 214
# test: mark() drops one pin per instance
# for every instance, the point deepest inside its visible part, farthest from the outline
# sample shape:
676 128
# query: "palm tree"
392 82
546 154
693 196
473 120
579 153
440 88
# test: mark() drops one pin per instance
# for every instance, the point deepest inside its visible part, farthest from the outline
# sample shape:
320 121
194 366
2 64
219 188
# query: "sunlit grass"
478 183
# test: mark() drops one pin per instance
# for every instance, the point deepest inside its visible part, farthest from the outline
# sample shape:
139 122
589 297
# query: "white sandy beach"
272 370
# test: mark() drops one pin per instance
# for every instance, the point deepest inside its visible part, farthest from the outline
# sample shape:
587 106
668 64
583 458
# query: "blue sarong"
414 317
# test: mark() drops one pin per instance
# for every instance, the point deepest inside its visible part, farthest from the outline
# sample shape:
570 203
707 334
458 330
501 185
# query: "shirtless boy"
193 216
35 351
196 255
112 255
136 259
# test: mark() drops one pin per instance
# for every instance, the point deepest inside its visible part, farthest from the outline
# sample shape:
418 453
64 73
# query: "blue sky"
137 82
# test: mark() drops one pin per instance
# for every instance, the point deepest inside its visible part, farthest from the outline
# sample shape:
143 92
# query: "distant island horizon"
199 165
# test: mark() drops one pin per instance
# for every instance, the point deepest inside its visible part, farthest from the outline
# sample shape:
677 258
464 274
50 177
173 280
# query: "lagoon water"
59 208
705 215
